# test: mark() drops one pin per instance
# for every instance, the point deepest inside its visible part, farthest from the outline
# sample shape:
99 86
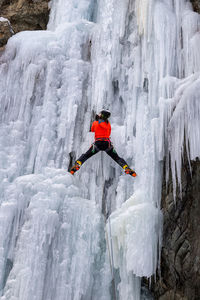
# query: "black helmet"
105 114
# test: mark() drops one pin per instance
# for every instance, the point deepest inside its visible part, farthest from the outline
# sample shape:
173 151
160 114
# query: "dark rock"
180 259
24 15
5 31
145 293
196 5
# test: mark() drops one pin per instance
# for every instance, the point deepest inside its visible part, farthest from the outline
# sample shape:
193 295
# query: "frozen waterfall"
93 235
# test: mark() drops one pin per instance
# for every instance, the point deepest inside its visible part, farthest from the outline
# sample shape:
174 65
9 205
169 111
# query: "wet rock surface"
23 15
196 5
180 261
5 31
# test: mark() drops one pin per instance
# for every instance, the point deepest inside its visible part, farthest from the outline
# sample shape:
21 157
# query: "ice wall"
165 73
52 224
52 237
140 60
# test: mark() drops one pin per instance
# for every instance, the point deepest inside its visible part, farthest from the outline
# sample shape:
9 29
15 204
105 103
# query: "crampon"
75 168
130 172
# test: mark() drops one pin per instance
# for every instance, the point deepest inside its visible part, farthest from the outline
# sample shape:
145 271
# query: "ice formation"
139 59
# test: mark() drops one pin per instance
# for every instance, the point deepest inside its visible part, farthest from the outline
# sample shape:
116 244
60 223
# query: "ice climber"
102 129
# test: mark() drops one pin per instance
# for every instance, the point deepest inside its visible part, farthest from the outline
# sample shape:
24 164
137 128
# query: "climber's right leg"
92 151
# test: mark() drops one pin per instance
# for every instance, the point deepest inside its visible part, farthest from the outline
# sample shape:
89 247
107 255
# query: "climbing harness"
102 139
105 140
95 147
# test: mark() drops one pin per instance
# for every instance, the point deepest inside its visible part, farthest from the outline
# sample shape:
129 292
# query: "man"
102 129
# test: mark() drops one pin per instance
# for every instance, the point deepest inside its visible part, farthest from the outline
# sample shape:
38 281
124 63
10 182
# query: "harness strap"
94 147
102 139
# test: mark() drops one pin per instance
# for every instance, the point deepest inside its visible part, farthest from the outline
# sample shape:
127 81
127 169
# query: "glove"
97 117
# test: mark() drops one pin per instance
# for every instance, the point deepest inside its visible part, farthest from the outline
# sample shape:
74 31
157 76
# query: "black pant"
102 146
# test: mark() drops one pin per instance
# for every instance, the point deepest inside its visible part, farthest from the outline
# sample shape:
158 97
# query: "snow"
140 60
4 19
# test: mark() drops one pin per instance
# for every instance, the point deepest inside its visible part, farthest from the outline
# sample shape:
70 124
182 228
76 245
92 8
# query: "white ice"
140 60
58 242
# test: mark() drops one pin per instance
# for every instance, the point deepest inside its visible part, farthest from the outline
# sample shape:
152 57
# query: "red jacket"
101 128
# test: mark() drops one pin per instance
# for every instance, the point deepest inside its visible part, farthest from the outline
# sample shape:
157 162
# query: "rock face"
22 15
180 262
196 5
5 31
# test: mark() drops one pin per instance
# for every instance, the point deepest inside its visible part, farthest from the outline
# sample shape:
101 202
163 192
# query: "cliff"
180 262
20 15
196 5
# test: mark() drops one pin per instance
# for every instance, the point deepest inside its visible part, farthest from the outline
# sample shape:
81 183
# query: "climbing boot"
76 167
129 171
